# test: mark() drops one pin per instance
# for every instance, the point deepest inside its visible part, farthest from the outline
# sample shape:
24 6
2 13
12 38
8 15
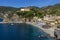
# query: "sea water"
21 31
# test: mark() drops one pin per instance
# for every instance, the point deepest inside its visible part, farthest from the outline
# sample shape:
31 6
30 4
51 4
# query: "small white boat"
12 24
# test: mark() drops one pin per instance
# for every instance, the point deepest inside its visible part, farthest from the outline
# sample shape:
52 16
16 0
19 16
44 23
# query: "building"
58 20
24 9
49 18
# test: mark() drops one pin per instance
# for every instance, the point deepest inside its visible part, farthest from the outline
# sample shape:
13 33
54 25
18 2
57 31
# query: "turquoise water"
21 32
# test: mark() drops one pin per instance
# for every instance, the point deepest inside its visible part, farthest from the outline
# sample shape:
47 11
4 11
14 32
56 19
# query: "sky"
25 3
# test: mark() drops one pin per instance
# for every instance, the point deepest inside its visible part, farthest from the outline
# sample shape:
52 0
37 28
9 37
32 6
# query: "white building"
25 9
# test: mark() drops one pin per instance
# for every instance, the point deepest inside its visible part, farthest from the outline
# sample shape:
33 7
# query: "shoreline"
49 31
12 22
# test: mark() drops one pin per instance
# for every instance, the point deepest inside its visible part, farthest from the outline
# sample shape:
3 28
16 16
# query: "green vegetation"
34 11
5 9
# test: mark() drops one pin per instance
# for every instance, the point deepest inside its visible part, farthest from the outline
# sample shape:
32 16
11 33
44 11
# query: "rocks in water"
57 33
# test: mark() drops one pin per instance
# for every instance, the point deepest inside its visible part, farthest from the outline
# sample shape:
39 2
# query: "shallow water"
21 31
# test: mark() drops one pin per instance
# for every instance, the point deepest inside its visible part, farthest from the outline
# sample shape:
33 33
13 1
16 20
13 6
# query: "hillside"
5 9
35 11
56 6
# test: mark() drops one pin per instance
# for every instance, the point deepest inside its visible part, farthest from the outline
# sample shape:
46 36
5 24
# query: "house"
25 9
58 20
35 18
49 18
58 17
